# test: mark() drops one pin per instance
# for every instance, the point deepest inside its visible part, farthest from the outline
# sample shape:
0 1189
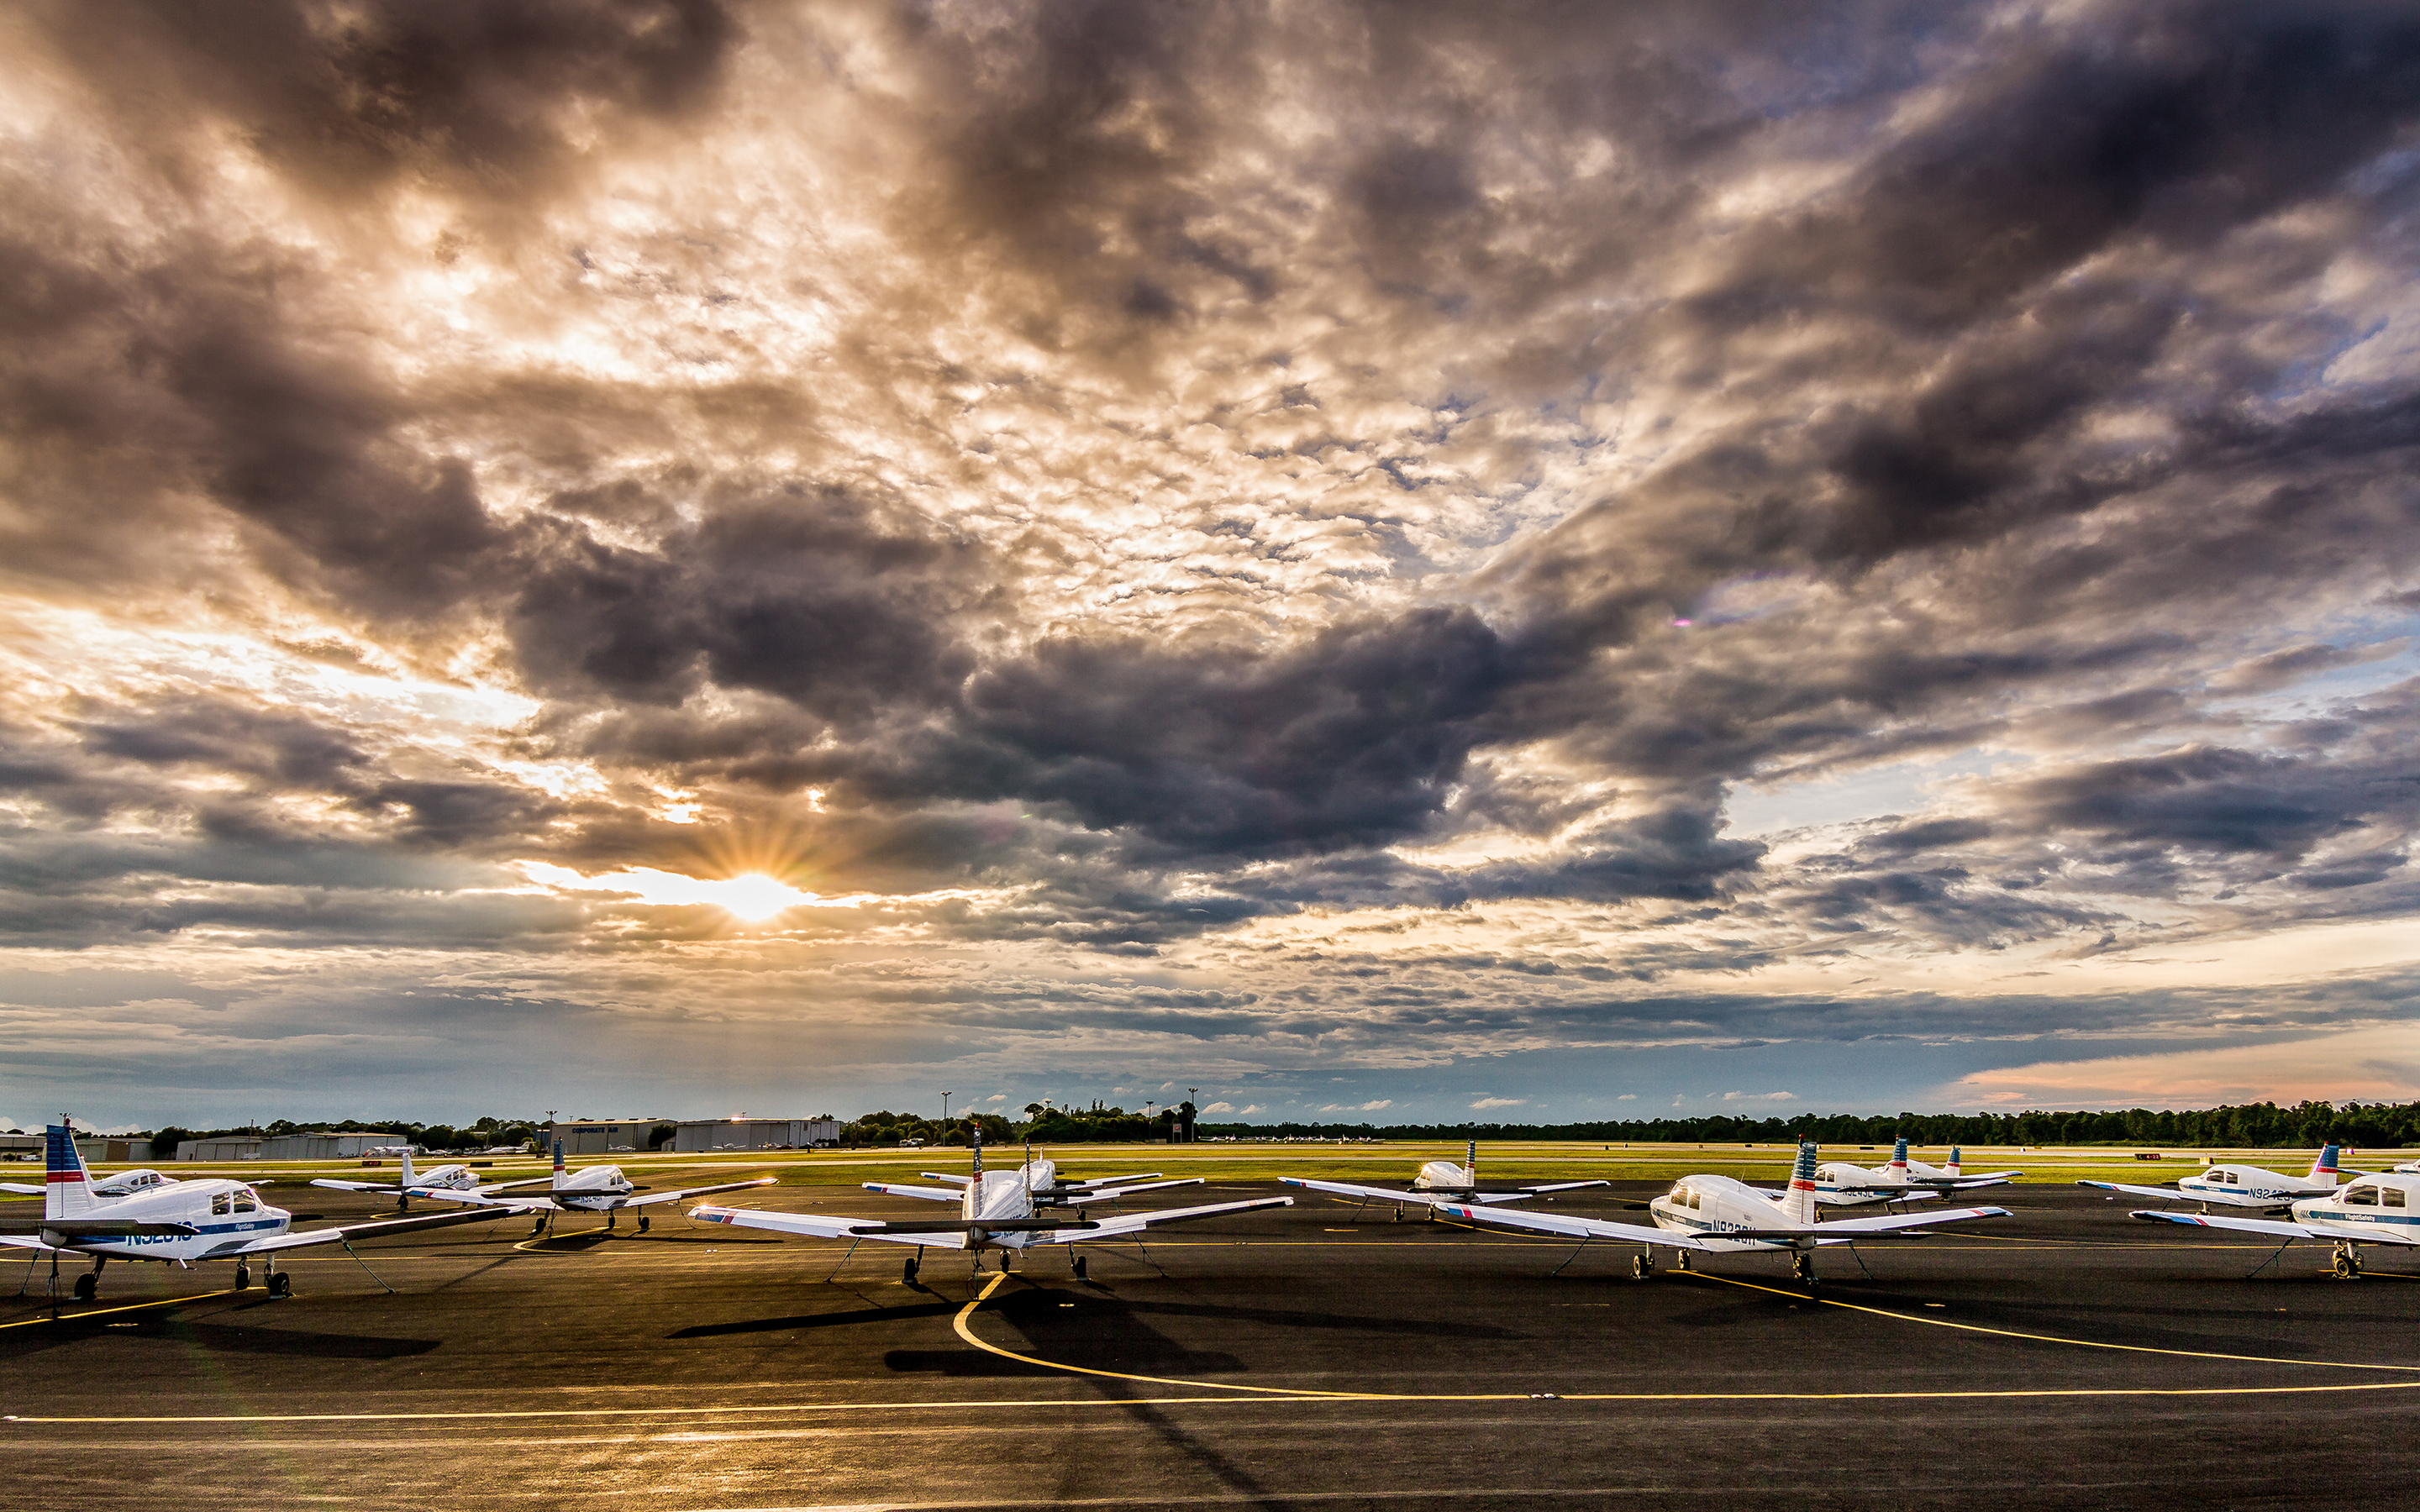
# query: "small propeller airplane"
1041 1180
1841 1184
2380 1209
124 1184
1720 1214
450 1177
590 1189
2230 1185
1439 1181
179 1222
996 1212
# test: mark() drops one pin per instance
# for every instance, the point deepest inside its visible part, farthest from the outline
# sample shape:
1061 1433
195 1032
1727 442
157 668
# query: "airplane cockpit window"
2391 1197
2361 1196
219 1204
243 1201
1680 1196
2222 1178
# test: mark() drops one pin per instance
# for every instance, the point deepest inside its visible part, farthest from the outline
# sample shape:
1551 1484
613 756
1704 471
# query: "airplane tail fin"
1798 1206
408 1182
1898 1156
1954 1153
978 1147
2326 1164
1471 1164
558 1162
67 1186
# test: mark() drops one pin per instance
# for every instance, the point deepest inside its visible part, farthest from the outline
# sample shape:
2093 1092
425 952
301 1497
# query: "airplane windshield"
245 1202
2361 1196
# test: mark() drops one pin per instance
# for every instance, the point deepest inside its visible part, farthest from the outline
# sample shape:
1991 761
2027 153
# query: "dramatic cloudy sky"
1549 560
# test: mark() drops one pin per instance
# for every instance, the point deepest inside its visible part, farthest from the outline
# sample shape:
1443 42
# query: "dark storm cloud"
1150 484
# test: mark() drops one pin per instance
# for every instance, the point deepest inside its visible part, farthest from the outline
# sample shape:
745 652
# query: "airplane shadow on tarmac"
216 1338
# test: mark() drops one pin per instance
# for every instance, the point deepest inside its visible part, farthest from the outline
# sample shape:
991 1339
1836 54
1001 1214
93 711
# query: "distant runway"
1310 1357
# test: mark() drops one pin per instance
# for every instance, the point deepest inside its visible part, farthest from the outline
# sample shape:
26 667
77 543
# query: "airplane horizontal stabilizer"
700 1191
965 1226
1890 1223
91 1227
819 1226
1378 1193
1110 1194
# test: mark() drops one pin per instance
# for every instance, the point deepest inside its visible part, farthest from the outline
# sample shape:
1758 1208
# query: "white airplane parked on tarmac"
1841 1184
2230 1185
1718 1214
1042 1181
180 1222
996 1212
590 1189
124 1184
450 1177
2380 1209
1439 1181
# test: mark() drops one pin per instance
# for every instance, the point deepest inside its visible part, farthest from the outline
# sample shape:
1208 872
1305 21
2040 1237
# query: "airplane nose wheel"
280 1283
2348 1264
1682 1262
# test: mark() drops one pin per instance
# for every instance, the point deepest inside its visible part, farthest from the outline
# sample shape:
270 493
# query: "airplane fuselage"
221 1211
2240 1181
1703 1207
2387 1202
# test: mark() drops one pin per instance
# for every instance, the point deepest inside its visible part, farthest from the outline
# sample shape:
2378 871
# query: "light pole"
945 1116
1193 1095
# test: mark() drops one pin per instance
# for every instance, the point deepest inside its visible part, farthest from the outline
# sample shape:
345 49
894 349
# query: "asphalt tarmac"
1312 1357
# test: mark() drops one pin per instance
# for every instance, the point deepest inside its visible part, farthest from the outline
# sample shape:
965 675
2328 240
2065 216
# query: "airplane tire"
243 1275
538 1227
1641 1267
1802 1265
2347 1266
642 1226
907 1272
281 1284
1079 1268
87 1287
1683 1261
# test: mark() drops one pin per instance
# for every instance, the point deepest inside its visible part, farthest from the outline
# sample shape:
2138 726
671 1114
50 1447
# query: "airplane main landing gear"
643 1223
1801 1267
538 1227
907 1272
1080 1267
87 1286
243 1276
2348 1263
281 1284
1641 1267
1003 1263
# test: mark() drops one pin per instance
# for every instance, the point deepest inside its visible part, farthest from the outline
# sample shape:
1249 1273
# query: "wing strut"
357 1260
1567 1260
2269 1262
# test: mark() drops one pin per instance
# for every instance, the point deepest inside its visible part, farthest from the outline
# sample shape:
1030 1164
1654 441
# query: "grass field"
1387 1162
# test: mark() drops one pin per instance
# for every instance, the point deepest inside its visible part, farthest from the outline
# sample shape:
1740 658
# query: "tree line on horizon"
2243 1125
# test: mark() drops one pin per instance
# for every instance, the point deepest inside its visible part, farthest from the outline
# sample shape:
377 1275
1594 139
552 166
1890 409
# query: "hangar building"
744 1132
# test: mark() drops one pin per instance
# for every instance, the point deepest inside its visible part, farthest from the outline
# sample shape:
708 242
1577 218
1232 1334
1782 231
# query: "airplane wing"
1559 1186
1382 1193
1564 1226
20 1188
354 1186
2277 1228
2169 1193
348 1232
1842 1229
1115 1180
699 1191
515 1186
930 1193
816 1226
1135 1223
944 1176
1110 1194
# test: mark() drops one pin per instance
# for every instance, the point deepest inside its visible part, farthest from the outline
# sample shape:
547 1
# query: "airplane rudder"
67 1186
